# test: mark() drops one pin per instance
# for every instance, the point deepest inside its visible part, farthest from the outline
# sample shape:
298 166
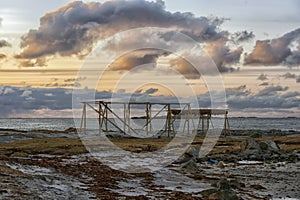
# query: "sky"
46 51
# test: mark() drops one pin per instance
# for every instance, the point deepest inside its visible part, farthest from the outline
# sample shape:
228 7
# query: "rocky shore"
249 164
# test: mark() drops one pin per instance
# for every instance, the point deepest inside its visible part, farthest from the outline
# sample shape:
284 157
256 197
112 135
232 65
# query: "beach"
247 164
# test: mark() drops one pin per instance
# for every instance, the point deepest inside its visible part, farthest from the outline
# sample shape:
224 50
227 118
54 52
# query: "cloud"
76 27
139 92
8 90
63 85
217 51
59 100
276 51
72 29
1 20
151 91
74 79
266 99
264 84
137 58
185 68
41 62
222 55
289 75
242 36
26 93
2 56
262 77
272 90
4 43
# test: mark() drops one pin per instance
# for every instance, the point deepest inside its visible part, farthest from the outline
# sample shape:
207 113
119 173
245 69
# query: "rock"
232 158
236 184
257 187
208 192
223 184
250 147
190 165
256 135
2 191
268 145
183 159
223 195
293 157
221 164
192 151
249 144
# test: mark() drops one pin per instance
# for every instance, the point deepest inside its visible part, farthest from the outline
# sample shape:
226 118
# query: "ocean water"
235 124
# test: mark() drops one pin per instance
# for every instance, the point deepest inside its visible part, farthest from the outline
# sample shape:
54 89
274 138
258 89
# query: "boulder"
249 144
250 148
268 145
224 195
190 165
193 151
221 164
224 191
223 184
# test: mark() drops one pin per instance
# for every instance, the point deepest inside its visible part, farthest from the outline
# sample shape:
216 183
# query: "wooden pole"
147 118
225 124
84 116
150 113
189 117
99 117
129 128
169 120
207 122
106 117
124 127
202 117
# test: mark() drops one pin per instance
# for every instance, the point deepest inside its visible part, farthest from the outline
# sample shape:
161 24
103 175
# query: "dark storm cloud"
4 43
241 98
268 98
242 36
74 29
27 99
276 51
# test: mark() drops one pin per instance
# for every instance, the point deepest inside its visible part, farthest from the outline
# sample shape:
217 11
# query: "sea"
236 123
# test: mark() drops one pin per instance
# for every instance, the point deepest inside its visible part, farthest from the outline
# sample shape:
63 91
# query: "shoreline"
241 167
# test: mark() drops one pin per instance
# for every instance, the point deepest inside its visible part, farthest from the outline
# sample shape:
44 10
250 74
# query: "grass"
71 146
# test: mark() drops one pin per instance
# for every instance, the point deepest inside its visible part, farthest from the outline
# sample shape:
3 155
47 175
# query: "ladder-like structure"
168 112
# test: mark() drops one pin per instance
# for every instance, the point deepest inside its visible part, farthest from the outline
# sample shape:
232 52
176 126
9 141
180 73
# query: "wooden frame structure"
105 115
